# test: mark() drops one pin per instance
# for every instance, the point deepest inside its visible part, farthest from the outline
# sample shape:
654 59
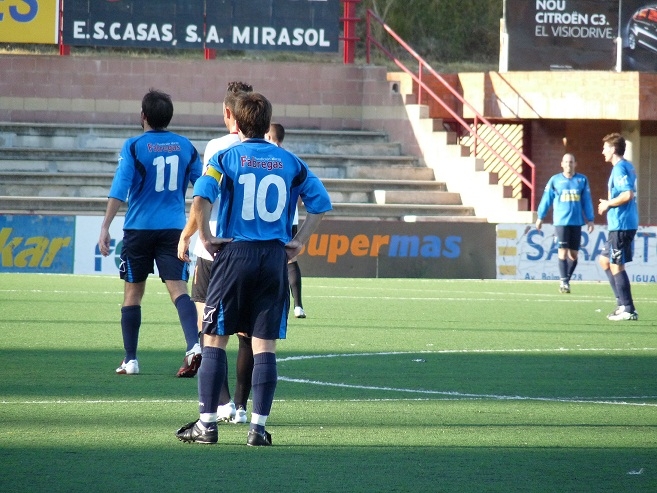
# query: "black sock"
622 281
187 315
572 264
294 277
244 371
563 269
264 382
612 283
224 393
130 323
211 376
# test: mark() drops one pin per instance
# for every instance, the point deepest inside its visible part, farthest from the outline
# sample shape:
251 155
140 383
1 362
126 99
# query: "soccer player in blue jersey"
259 185
154 171
228 410
569 195
623 222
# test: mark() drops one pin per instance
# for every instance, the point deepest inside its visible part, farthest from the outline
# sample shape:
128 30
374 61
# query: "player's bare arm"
622 198
203 211
186 235
293 248
113 206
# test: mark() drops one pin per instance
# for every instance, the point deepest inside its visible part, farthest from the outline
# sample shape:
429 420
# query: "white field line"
446 395
399 296
467 396
459 395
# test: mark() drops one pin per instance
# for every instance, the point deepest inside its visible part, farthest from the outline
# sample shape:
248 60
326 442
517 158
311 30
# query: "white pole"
619 41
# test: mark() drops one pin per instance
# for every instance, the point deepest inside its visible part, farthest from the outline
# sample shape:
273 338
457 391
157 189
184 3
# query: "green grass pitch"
389 385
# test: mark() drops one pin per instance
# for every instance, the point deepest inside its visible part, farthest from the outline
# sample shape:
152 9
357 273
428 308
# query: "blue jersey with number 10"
260 184
154 171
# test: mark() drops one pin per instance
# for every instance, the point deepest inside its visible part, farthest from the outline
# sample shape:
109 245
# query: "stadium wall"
108 90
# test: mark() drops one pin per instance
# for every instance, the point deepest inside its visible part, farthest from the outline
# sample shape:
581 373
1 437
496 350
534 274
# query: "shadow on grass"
88 375
338 443
177 467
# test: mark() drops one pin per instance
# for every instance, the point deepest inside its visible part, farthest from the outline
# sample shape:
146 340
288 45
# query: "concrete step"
68 169
97 161
348 184
417 197
400 211
97 205
17 135
49 184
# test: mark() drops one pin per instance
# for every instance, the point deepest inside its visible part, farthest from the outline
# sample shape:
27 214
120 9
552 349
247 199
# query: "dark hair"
157 109
233 89
277 131
617 141
252 114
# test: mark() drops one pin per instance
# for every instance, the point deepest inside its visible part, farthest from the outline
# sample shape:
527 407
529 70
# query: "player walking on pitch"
623 222
569 195
154 171
259 185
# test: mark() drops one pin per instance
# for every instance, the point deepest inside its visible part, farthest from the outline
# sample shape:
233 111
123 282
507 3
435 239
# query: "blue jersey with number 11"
154 171
260 184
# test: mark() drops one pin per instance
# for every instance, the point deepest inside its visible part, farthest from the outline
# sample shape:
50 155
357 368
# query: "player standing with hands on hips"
235 412
259 185
569 194
153 173
622 222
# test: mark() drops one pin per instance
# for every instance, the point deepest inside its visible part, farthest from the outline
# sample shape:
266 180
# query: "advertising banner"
29 21
88 259
347 249
286 25
562 34
37 244
399 249
639 35
131 23
523 252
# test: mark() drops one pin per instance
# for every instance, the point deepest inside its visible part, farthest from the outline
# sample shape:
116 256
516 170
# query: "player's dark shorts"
142 248
201 279
248 291
569 237
618 247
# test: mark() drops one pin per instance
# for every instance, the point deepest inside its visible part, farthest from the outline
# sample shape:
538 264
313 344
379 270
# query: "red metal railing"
349 22
422 86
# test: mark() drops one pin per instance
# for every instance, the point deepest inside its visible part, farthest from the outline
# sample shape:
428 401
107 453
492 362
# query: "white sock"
257 419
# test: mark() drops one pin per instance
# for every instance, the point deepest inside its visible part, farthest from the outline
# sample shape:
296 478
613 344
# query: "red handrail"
349 21
531 184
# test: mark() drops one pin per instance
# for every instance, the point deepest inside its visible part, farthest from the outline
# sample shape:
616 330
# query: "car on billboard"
642 29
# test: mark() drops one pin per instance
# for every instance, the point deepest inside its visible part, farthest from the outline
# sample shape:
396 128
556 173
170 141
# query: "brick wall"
109 90
584 140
